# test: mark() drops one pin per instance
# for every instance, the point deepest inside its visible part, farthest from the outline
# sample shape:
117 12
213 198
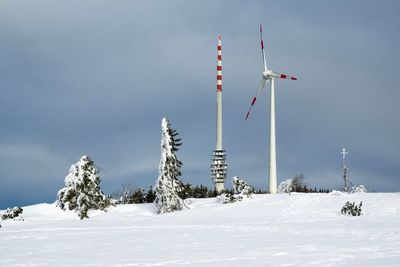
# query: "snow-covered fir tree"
168 186
82 189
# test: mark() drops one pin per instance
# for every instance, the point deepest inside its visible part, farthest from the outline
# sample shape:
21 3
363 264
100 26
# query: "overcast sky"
96 78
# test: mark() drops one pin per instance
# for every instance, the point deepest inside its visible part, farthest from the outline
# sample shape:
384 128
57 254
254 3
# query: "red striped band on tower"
219 65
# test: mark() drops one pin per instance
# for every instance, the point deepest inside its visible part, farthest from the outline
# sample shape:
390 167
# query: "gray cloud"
96 77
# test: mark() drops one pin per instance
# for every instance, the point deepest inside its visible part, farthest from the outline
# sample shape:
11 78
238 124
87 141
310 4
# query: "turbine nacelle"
269 74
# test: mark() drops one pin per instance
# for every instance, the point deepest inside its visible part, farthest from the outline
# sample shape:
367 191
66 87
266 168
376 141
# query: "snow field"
268 230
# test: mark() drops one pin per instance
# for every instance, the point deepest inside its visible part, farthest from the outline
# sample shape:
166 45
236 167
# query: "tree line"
82 190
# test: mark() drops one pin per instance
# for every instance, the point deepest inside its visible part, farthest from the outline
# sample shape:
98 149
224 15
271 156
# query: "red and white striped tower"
219 95
219 166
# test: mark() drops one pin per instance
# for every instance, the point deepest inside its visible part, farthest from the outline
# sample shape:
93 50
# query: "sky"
97 77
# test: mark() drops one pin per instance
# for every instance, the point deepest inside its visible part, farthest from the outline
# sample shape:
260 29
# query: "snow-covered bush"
240 191
354 189
295 184
168 186
13 213
351 209
359 189
82 189
240 187
285 186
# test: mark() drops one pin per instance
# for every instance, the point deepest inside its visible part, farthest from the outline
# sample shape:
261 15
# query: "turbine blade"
262 49
260 87
284 76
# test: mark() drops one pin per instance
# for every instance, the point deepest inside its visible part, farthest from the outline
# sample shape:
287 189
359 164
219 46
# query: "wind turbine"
270 76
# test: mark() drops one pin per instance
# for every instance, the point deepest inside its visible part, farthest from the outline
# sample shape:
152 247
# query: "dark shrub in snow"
352 209
13 213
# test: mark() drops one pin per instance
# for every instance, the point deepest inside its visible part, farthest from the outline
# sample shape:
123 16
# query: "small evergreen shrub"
240 187
14 213
240 191
228 196
351 209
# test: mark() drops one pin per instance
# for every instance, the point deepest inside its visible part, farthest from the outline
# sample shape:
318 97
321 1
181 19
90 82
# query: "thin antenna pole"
344 167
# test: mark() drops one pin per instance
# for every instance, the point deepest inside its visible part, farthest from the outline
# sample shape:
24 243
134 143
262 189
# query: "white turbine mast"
270 76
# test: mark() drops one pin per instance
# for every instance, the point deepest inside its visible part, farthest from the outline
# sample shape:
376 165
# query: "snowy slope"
269 230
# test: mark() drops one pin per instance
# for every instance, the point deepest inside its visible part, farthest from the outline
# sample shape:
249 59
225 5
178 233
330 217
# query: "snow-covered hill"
269 230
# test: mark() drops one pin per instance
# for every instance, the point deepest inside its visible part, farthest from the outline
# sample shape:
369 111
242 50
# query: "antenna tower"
344 168
218 165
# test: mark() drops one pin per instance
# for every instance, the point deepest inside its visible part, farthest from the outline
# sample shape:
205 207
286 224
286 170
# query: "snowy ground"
269 230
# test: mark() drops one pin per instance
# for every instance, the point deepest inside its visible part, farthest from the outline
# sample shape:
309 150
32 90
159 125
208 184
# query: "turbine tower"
219 166
270 76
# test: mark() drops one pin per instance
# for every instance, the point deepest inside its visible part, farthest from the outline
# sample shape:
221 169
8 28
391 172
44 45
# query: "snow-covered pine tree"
82 189
168 186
